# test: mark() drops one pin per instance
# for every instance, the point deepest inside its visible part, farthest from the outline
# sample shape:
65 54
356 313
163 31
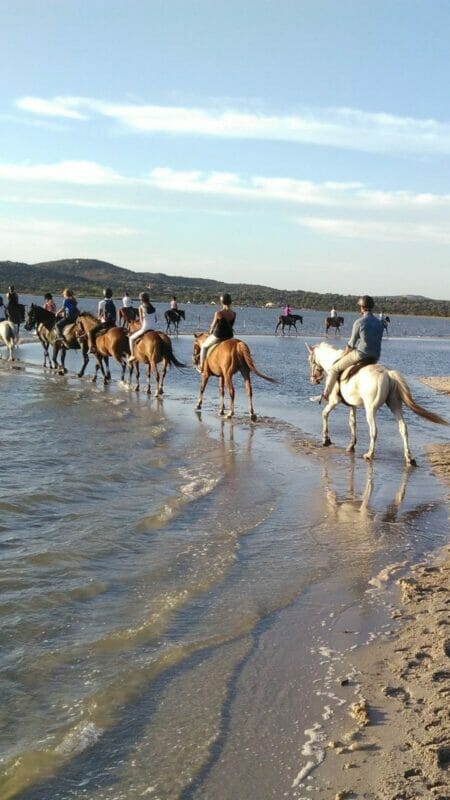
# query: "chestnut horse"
113 342
152 348
223 361
127 314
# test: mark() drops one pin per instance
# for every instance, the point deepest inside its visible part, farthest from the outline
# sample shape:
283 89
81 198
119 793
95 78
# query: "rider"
287 310
221 327
364 343
147 318
127 301
174 304
2 310
49 303
69 312
107 315
333 312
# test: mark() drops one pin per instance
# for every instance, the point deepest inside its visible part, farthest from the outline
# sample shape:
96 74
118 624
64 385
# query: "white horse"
371 387
9 336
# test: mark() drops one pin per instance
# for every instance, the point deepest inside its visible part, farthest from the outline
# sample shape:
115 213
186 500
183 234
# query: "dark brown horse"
44 322
223 361
127 314
289 321
112 343
333 322
152 348
173 317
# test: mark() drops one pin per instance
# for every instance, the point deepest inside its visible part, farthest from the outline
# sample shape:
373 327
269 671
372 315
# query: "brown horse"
112 343
44 322
289 321
152 348
333 322
127 314
223 361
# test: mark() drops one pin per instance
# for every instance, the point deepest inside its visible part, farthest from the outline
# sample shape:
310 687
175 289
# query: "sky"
299 144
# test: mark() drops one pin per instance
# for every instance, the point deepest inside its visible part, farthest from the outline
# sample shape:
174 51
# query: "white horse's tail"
401 388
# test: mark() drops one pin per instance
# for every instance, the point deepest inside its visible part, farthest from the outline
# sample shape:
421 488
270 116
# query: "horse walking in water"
152 348
127 314
112 343
289 321
173 317
223 361
44 322
370 386
9 336
333 322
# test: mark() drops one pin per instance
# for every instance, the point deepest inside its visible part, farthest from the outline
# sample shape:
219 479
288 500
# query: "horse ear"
309 349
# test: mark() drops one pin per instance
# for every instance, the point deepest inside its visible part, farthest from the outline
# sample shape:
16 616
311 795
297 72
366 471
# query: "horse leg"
62 369
230 387
107 376
221 396
138 376
85 356
352 423
332 403
276 328
248 389
163 375
395 405
372 423
203 382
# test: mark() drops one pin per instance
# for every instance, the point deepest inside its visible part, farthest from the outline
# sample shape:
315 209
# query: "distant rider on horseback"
147 318
364 343
107 314
333 312
69 312
221 327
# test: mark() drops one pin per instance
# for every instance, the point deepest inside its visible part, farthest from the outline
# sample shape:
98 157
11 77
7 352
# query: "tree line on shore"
88 277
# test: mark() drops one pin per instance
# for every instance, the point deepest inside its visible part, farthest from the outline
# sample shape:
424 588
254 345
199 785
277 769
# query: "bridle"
317 372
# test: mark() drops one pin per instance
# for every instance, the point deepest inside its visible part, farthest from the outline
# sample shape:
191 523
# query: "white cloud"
348 128
64 230
87 173
379 231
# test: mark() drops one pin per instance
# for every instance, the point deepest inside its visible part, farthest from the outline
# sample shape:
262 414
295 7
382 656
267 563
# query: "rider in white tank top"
147 317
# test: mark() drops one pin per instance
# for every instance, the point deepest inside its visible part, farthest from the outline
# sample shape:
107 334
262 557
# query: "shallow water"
171 582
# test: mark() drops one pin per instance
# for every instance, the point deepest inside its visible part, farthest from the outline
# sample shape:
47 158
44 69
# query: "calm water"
172 583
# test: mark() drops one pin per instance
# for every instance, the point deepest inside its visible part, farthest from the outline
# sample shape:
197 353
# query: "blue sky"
301 144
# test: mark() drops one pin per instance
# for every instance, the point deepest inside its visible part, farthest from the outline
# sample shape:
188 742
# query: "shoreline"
395 742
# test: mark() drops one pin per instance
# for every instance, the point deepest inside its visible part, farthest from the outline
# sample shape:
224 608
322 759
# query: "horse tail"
399 386
246 356
168 352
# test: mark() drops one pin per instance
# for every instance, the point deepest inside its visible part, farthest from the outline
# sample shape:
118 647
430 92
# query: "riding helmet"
107 293
225 299
366 302
145 297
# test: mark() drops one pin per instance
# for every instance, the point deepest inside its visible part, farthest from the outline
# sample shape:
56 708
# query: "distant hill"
88 277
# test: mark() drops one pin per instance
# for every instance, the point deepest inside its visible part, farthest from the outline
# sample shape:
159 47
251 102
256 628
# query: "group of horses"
290 321
367 385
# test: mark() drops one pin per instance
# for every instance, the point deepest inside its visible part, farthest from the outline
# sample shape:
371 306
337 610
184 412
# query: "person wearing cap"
221 327
107 314
364 343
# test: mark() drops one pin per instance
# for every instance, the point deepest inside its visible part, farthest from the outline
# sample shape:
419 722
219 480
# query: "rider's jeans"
342 363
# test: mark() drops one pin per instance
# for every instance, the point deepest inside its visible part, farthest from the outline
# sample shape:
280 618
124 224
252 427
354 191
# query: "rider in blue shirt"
69 312
364 343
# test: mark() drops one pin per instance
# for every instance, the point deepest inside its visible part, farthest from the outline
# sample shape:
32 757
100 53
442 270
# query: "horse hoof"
368 456
79 374
198 407
351 448
326 442
253 417
411 462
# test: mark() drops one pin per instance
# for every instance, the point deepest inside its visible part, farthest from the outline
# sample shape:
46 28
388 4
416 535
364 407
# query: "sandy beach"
396 745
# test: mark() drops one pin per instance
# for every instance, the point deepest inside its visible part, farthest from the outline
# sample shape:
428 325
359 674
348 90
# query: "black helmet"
225 299
366 302
145 297
107 293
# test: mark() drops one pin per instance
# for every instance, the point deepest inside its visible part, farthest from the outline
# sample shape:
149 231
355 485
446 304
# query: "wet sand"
396 744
